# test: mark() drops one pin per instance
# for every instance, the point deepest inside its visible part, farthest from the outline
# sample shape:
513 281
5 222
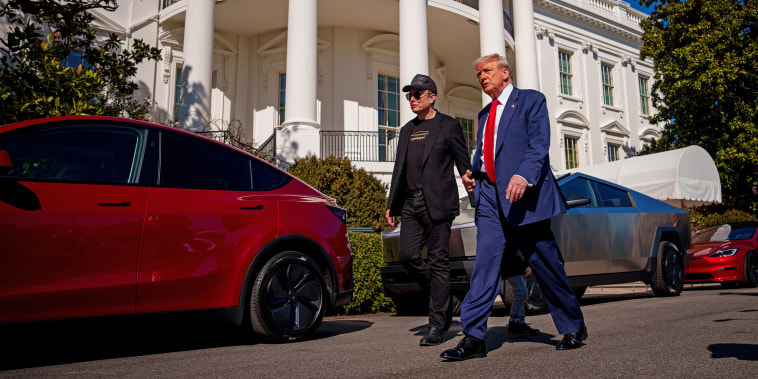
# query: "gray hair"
497 58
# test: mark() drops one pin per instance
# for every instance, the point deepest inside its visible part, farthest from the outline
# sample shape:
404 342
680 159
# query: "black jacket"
445 146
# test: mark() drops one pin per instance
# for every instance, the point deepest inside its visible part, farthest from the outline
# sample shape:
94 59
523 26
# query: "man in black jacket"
424 193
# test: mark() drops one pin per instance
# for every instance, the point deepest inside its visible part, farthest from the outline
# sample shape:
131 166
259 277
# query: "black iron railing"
167 3
379 146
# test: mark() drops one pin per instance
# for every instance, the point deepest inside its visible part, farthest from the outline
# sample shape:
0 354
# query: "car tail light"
339 212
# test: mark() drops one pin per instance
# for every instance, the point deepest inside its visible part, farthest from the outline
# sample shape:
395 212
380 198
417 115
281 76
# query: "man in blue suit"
515 195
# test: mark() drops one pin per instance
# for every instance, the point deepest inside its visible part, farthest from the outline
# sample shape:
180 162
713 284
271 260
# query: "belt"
482 176
415 193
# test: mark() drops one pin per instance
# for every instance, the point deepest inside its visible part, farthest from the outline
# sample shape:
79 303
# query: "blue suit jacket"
523 143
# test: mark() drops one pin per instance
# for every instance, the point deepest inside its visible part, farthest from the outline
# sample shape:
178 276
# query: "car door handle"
121 204
257 207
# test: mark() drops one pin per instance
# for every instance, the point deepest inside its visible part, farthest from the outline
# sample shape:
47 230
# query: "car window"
611 197
103 154
187 162
742 233
266 178
579 188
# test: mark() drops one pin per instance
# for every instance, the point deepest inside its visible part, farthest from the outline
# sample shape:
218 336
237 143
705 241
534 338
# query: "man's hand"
392 220
527 272
468 182
516 188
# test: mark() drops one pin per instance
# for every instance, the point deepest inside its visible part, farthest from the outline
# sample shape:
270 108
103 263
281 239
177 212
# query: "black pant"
417 230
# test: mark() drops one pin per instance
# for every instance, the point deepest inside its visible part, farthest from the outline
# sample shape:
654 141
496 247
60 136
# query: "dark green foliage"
706 86
35 80
361 194
368 295
702 221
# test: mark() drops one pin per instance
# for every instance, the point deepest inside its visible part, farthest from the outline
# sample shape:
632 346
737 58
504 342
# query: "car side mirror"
5 162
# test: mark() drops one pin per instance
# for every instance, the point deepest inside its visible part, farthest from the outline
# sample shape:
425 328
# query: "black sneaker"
519 329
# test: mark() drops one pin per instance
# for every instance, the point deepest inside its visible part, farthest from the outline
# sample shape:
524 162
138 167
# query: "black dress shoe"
520 329
468 348
433 337
572 340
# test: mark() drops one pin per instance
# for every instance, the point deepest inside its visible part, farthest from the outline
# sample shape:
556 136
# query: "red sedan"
106 216
725 254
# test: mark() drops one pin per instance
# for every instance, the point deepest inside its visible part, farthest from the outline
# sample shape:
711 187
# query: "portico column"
526 45
414 48
198 64
298 136
491 32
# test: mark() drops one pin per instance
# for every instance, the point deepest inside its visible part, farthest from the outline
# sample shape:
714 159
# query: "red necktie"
489 142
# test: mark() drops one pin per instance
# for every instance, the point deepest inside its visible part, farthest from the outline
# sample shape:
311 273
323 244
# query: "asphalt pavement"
707 332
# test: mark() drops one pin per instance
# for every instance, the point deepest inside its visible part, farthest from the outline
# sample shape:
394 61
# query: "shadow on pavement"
70 341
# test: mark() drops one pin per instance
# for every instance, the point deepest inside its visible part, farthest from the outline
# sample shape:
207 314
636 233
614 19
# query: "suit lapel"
434 132
505 118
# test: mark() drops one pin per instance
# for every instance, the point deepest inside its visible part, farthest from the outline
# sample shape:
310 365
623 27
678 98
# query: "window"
613 152
389 115
607 72
611 197
572 154
644 96
178 94
81 154
564 67
469 133
600 195
191 163
282 92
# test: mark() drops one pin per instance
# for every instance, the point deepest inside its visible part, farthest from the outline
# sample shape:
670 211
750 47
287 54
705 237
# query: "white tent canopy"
683 178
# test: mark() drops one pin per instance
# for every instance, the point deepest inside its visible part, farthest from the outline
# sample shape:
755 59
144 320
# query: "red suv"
105 216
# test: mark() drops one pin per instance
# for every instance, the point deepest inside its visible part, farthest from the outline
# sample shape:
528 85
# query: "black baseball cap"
422 82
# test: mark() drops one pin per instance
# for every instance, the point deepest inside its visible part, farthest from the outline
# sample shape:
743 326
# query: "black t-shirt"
414 156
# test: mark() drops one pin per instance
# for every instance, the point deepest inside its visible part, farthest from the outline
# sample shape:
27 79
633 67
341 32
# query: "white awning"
683 178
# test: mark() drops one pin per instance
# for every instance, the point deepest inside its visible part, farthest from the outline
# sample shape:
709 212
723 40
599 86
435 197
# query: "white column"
491 32
299 133
526 45
414 47
198 64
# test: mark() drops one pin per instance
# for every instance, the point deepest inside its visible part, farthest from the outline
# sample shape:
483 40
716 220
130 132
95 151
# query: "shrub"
701 221
360 193
368 294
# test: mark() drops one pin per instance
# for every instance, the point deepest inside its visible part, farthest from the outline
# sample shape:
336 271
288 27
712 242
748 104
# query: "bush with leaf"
37 76
702 221
360 193
368 294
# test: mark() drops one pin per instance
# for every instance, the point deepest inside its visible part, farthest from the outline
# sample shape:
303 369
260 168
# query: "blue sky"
635 5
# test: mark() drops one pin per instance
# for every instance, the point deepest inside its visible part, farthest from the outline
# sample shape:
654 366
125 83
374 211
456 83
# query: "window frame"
567 150
644 96
606 78
567 75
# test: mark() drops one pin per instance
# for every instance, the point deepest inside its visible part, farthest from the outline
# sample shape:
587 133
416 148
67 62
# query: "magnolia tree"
706 86
52 62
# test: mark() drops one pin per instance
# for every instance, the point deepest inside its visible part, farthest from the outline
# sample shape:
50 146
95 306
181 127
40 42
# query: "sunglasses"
416 95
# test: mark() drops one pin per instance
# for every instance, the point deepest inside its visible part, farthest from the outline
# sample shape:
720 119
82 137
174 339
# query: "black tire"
535 305
288 299
669 271
751 270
